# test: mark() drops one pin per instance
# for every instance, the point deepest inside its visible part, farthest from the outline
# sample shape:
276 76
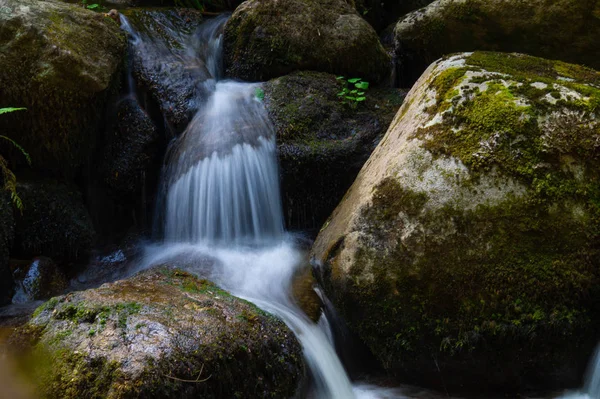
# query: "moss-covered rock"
322 141
466 253
265 39
162 333
566 30
54 223
59 61
7 233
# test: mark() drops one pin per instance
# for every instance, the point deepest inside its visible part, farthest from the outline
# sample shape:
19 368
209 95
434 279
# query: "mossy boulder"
162 333
54 223
265 39
322 140
167 64
466 254
566 30
7 233
60 61
133 149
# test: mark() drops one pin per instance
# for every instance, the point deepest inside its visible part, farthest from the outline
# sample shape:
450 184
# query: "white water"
591 388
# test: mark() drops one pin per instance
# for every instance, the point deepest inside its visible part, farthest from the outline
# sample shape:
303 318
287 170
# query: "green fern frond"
10 109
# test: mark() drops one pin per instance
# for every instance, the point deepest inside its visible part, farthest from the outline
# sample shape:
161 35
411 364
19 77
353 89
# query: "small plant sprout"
353 90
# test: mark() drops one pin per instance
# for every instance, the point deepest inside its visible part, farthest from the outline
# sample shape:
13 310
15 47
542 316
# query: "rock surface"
380 14
167 62
322 140
54 223
566 30
38 279
59 61
161 333
465 254
265 39
133 149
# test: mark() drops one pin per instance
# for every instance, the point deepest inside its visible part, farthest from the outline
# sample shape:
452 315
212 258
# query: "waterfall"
224 182
222 203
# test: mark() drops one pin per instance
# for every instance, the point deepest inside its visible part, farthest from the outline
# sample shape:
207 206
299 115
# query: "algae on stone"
161 333
467 248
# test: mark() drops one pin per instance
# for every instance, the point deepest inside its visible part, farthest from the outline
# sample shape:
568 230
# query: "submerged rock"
38 279
466 253
59 61
265 39
323 141
566 30
161 333
54 223
7 233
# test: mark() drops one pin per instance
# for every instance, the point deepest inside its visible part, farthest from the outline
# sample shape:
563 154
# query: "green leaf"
362 85
360 93
339 77
358 99
350 98
93 6
354 80
259 93
354 91
341 93
10 109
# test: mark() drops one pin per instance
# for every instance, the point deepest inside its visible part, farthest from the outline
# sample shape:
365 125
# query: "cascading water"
222 203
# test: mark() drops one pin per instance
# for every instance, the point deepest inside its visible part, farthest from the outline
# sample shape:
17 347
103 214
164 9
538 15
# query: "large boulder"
162 333
60 62
323 140
466 254
54 223
7 233
566 30
265 39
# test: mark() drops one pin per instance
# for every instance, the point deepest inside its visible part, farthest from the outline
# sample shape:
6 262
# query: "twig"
192 381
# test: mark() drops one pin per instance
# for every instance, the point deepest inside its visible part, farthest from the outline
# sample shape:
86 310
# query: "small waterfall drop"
224 184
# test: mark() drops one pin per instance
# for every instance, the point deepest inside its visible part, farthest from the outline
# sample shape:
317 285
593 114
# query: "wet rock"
133 150
323 141
54 223
38 279
60 61
268 39
162 333
7 233
566 30
465 254
168 64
